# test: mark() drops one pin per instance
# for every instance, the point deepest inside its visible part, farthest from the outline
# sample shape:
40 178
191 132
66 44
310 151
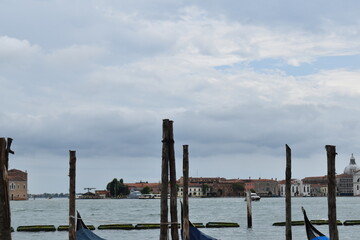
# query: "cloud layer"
239 80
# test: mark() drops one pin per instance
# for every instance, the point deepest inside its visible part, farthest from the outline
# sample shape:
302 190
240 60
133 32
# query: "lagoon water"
134 211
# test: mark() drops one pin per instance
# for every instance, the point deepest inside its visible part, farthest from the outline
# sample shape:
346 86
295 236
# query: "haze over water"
134 211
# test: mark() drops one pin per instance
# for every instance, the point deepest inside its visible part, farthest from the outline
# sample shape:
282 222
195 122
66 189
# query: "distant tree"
205 188
117 188
146 190
238 187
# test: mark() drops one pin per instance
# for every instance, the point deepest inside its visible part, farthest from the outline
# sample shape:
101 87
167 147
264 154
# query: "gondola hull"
311 232
83 233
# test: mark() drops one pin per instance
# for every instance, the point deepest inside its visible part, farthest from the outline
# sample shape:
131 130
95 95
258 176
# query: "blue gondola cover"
195 234
321 238
86 234
82 232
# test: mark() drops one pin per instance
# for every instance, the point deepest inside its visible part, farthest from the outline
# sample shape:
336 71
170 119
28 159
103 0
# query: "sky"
240 79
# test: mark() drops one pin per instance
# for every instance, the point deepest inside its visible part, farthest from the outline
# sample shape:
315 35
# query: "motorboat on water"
254 197
134 195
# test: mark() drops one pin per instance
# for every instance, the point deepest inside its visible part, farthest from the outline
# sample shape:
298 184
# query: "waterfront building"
266 187
356 184
202 180
18 184
102 193
344 184
322 180
352 168
227 188
297 188
347 182
138 186
318 190
194 190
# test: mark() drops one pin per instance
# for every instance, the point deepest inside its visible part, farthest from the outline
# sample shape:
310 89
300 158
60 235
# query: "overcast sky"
240 79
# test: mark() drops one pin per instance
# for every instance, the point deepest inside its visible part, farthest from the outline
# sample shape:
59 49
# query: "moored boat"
83 232
134 195
254 197
150 196
311 232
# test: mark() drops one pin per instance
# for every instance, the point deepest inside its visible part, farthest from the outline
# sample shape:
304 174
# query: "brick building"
18 187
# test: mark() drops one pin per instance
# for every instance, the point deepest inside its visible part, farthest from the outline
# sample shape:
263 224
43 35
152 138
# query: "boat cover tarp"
83 233
194 233
86 234
311 232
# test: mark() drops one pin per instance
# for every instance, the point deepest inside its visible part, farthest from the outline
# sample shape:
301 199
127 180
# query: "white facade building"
194 191
297 189
356 181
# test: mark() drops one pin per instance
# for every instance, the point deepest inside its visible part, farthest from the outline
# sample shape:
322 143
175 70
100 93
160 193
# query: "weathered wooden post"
72 214
173 187
331 153
165 180
5 219
185 213
288 193
249 210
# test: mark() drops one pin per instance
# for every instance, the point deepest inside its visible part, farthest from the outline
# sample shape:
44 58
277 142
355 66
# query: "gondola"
194 232
311 232
83 232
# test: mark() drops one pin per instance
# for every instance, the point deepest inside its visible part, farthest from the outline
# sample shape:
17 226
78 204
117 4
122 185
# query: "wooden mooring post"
72 190
5 218
185 212
331 153
249 209
168 165
288 232
165 180
173 188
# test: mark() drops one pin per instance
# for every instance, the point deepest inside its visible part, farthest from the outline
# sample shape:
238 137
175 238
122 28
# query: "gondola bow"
311 232
83 233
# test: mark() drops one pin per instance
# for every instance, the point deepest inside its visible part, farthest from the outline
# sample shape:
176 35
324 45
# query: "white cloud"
13 50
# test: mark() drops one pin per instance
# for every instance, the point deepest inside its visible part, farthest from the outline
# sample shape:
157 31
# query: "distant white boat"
150 196
134 195
254 197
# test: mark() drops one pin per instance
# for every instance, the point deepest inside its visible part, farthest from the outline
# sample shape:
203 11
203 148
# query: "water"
134 211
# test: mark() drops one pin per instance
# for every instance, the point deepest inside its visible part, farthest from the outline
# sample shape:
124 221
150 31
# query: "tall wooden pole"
185 221
249 209
288 193
173 187
5 219
165 180
331 153
72 175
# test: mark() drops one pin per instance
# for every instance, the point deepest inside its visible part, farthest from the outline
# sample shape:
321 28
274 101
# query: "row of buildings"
348 184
